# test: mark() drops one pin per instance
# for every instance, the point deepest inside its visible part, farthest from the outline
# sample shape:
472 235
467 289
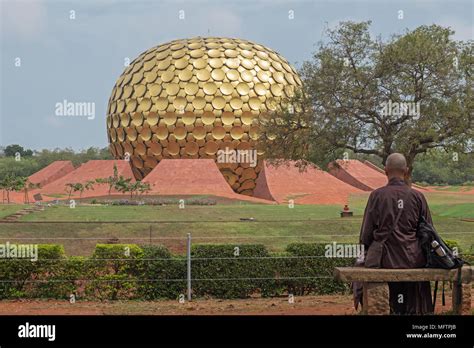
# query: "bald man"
389 228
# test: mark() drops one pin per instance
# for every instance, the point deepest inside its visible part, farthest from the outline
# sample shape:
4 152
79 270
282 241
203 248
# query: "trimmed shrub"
164 275
113 271
213 262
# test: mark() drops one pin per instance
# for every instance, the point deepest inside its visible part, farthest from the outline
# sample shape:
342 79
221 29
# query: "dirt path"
307 305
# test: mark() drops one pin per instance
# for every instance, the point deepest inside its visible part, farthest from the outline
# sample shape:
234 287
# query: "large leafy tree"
356 89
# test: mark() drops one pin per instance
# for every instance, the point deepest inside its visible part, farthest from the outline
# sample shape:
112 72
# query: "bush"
157 264
113 271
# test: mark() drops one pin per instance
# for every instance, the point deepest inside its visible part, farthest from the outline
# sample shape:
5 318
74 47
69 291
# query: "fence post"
188 254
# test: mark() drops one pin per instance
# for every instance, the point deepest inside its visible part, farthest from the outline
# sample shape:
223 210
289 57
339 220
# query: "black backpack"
437 253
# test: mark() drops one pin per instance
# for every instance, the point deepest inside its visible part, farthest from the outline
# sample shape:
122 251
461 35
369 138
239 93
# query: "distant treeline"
14 159
436 167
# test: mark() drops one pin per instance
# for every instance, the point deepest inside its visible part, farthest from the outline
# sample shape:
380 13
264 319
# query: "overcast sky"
80 59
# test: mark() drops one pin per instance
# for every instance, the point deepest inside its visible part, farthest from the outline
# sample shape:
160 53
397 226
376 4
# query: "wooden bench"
375 287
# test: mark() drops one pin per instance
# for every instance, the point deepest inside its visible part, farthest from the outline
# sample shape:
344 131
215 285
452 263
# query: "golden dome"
191 98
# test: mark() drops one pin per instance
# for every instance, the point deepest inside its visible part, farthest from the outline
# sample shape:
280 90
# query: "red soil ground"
88 171
303 305
191 177
52 172
310 186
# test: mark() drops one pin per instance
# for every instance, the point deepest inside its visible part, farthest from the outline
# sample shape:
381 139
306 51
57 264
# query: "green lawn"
275 225
8 209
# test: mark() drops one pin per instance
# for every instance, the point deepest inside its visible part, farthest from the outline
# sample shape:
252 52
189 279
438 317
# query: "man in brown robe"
401 248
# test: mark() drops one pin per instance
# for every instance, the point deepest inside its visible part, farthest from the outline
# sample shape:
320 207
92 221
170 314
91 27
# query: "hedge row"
129 271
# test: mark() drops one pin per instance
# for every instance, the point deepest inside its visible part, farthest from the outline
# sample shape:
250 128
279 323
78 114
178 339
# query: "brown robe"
402 248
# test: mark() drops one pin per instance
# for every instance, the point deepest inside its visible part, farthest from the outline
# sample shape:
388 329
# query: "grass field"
275 226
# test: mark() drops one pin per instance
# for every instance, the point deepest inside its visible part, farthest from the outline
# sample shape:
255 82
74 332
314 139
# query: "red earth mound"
363 175
191 177
52 172
310 186
91 170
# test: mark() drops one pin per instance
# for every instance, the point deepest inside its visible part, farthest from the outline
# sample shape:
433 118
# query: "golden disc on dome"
185 75
216 63
199 103
214 53
260 89
131 105
170 118
137 77
188 118
162 55
276 90
180 133
209 88
195 45
152 118
236 103
271 104
154 89
203 75
167 76
137 119
232 63
177 46
290 79
191 88
232 75
191 148
247 117
180 103
236 132
145 104
254 132
139 91
277 65
247 64
218 74
227 118
172 88
181 63
115 120
199 132
145 134
161 132
255 103
161 103
120 134
289 91
137 161
279 77
200 63
155 148
247 54
131 134
127 92
208 118
151 76
263 76
218 132
243 88
113 135
196 53
178 54
218 103
127 148
211 148
264 64
125 119
164 64
247 76
120 106
226 88
173 148
213 45
229 53
147 66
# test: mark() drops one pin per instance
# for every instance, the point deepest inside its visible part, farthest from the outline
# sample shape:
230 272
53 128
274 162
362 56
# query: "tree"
409 94
11 183
12 150
111 181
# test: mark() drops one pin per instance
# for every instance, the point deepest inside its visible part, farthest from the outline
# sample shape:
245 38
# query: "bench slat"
361 274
